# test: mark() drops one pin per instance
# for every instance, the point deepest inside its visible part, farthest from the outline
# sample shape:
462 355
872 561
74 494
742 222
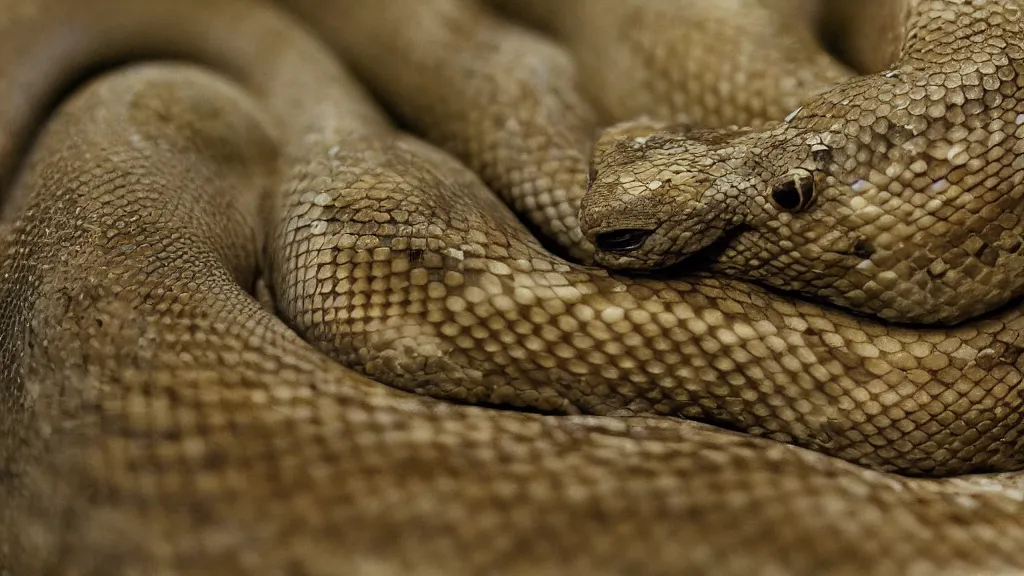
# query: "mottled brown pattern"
434 392
897 193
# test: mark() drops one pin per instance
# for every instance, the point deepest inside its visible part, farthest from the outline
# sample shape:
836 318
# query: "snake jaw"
622 240
637 249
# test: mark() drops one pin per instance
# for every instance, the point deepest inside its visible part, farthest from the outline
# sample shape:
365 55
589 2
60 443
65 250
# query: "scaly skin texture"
636 57
516 119
898 193
156 418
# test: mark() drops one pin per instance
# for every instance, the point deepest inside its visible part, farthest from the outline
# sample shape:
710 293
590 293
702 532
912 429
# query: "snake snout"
622 240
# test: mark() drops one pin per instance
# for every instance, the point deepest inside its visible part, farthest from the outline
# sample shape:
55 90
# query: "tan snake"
157 419
897 193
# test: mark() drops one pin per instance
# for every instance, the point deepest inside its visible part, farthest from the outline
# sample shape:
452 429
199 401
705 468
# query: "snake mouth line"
696 262
622 241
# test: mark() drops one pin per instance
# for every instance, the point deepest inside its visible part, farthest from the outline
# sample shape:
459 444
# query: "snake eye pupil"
787 196
622 240
794 194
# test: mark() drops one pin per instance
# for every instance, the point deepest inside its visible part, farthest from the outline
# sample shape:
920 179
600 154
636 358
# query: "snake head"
658 194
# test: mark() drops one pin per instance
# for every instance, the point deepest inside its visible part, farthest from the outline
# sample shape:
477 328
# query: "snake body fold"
156 418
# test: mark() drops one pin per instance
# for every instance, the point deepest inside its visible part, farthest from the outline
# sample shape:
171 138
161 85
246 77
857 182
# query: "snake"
895 193
309 287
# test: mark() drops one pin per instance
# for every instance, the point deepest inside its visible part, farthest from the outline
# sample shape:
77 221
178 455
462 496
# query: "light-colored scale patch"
403 337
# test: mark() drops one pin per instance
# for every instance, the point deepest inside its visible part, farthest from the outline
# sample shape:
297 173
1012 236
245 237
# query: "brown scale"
156 418
897 194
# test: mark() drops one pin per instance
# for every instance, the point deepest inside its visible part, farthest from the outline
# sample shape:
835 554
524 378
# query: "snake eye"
622 240
591 175
795 193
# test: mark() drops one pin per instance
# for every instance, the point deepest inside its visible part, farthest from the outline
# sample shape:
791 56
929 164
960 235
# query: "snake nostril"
622 240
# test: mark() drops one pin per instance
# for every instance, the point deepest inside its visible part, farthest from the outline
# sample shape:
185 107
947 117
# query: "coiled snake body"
220 285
